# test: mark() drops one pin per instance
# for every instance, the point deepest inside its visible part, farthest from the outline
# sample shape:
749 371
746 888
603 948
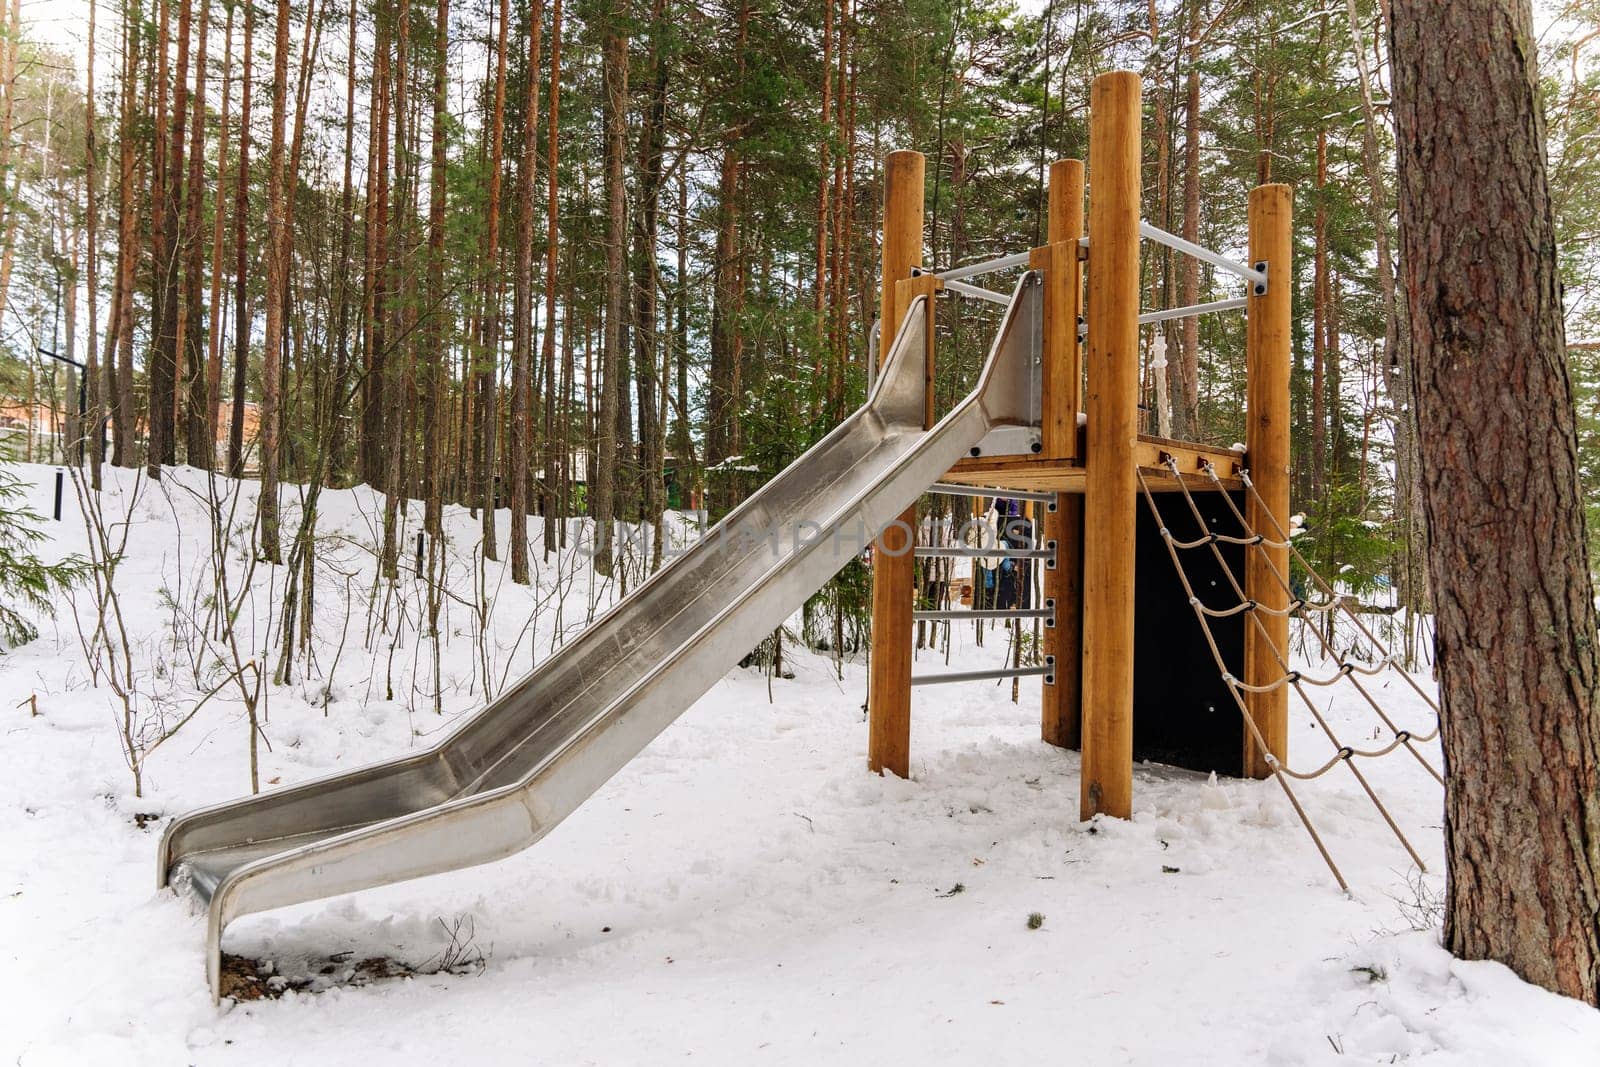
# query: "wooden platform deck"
1067 475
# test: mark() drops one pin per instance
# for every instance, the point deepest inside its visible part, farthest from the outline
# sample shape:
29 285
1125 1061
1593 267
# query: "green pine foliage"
26 581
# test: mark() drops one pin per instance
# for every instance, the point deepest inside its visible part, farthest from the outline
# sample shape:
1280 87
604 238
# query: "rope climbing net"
1252 539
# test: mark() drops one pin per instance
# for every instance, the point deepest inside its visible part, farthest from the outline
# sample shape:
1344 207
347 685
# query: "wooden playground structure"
1090 464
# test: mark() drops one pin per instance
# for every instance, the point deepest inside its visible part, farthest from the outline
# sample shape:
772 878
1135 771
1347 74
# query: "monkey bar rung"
1193 310
925 551
950 489
1047 672
988 266
1250 274
961 614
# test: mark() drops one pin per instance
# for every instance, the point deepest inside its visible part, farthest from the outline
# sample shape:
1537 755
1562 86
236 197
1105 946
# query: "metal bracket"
1260 287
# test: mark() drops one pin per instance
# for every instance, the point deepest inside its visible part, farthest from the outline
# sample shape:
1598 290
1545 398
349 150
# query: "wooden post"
1267 358
1110 481
1061 715
893 575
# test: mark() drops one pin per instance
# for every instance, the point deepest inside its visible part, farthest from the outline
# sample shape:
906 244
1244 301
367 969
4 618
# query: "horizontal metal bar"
949 489
988 266
1231 304
981 676
959 614
1216 259
972 553
978 291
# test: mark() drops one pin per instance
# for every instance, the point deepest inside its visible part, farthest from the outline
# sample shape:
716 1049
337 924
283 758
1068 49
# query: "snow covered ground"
744 892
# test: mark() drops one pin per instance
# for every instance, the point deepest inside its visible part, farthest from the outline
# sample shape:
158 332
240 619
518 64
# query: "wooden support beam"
1060 719
1112 362
893 575
1267 359
1058 262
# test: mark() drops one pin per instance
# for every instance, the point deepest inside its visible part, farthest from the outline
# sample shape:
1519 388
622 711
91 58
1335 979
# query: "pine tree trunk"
277 276
160 370
1319 326
647 275
1189 283
119 330
375 297
1518 657
93 387
241 259
1397 360
196 437
555 440
437 379
398 275
218 239
520 443
722 404
614 68
489 357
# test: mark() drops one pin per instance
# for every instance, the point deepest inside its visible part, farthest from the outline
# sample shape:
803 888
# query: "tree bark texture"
1518 664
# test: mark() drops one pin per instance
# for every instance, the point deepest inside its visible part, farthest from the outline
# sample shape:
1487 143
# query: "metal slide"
507 776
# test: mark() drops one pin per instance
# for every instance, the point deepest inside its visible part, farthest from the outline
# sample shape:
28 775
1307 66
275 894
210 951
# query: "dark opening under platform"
1183 713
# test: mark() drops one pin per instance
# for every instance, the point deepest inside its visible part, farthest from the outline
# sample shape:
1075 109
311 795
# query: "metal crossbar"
947 677
988 266
1231 304
976 291
1000 551
962 614
949 489
1256 277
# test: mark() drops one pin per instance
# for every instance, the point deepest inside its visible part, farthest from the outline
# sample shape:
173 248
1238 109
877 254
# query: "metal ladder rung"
1047 672
958 614
949 489
924 551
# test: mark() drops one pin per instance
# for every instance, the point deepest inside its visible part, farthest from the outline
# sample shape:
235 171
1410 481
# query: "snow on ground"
743 892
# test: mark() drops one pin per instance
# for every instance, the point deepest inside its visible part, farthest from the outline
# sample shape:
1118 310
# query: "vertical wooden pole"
893 565
1112 362
1267 358
1060 718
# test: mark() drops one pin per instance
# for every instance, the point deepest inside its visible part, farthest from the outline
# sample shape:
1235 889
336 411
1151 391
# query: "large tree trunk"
1519 665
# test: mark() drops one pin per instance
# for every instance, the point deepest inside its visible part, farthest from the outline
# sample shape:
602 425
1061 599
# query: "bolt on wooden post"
1267 360
893 562
1060 717
1110 477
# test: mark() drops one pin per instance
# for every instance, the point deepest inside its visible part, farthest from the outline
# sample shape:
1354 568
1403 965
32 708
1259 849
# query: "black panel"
1182 711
